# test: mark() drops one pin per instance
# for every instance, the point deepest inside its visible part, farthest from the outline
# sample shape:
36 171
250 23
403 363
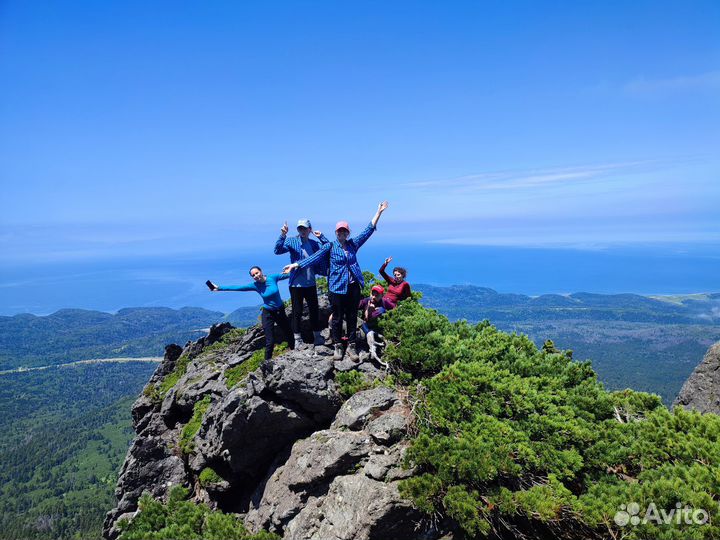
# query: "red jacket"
396 291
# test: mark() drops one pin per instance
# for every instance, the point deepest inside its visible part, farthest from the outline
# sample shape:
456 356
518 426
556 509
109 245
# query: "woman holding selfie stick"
345 279
273 310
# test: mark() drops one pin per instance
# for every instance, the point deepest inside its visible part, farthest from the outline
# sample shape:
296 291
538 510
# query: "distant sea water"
179 280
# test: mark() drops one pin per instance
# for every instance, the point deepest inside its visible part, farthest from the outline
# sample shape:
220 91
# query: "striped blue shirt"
343 262
298 251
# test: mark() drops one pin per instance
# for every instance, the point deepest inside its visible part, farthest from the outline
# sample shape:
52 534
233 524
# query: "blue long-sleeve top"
299 250
343 262
268 290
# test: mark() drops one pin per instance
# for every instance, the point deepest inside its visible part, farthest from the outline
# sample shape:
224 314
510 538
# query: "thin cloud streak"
510 180
709 80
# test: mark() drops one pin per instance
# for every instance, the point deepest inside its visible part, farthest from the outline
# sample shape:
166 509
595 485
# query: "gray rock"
358 508
357 410
388 428
312 464
152 466
702 389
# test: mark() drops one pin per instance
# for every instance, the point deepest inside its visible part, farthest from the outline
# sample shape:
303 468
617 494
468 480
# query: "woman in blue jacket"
345 279
273 310
302 283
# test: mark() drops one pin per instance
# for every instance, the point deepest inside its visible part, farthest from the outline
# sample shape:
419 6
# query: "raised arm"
381 208
280 246
384 274
321 237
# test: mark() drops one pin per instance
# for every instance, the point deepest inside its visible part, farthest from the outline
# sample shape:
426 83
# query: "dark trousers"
345 306
269 319
308 294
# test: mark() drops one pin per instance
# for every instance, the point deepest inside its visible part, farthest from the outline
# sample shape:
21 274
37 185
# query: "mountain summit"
470 433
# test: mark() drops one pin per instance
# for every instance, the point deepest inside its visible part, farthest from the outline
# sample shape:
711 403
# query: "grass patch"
232 336
236 374
193 426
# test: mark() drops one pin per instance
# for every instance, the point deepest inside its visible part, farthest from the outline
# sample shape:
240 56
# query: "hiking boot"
352 353
338 354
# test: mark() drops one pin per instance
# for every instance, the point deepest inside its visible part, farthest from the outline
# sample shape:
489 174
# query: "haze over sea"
179 280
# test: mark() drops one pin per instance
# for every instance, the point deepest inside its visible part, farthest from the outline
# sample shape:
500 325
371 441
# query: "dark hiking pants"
269 319
345 307
308 294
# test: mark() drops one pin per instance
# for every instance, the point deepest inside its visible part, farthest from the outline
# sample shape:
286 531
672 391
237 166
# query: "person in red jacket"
398 288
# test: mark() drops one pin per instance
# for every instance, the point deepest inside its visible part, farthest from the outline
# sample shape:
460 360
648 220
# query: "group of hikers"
337 259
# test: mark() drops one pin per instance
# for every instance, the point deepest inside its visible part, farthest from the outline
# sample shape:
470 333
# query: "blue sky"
165 128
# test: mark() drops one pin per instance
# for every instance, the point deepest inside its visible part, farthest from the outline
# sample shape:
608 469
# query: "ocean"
179 280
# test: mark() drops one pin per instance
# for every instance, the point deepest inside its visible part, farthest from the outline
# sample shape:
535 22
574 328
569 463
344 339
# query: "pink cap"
342 225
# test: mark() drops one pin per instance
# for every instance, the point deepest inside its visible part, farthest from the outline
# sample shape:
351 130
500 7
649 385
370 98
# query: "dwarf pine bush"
512 438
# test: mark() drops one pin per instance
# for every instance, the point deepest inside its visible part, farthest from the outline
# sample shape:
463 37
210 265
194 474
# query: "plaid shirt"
342 263
294 246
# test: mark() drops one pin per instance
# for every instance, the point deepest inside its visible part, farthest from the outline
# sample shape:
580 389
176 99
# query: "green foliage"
190 429
181 518
65 434
322 285
237 373
506 429
69 335
227 338
171 379
351 382
209 476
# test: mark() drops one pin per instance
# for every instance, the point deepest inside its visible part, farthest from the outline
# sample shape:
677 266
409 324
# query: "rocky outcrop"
291 456
702 389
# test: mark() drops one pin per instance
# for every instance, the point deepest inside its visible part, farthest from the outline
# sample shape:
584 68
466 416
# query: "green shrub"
183 519
506 430
209 476
193 426
351 382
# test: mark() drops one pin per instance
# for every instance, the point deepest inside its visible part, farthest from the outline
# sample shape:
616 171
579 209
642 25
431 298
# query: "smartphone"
210 285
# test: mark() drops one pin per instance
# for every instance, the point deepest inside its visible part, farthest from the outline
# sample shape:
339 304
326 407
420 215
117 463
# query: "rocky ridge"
285 451
702 389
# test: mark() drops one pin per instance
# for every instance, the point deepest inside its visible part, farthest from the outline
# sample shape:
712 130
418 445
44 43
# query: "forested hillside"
76 334
644 343
65 433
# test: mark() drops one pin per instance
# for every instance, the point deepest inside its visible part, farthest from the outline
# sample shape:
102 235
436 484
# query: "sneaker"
352 353
338 352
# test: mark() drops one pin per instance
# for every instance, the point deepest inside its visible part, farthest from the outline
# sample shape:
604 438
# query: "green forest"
65 435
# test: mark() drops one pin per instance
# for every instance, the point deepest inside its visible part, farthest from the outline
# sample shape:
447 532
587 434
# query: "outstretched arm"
309 261
249 287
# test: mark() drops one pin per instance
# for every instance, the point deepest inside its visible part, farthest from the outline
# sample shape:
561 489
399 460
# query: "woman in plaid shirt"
345 279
